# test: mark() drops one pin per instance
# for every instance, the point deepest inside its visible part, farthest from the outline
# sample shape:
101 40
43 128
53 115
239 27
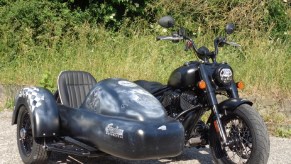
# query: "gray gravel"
280 150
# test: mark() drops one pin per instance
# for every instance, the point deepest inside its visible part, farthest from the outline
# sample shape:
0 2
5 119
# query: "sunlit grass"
263 64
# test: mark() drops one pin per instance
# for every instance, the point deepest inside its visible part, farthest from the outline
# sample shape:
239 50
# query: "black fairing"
122 119
185 76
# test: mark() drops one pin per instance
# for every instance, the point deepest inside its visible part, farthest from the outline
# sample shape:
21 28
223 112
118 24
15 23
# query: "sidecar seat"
74 86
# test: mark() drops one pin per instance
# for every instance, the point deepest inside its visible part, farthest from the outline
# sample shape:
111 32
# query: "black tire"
251 140
30 149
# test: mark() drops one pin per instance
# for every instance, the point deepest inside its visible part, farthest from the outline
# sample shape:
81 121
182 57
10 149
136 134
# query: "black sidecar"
86 118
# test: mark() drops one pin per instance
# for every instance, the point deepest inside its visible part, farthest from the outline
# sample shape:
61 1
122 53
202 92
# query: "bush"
25 24
277 18
111 12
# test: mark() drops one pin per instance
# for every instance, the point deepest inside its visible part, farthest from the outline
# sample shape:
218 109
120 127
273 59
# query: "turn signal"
240 85
202 84
216 127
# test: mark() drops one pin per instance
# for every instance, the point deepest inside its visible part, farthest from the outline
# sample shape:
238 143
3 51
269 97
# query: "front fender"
42 108
232 104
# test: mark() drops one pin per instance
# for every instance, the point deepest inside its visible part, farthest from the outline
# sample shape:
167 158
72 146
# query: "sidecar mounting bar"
187 111
71 146
71 140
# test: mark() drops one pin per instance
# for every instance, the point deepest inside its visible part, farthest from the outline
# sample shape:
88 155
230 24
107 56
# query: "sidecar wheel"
248 137
30 149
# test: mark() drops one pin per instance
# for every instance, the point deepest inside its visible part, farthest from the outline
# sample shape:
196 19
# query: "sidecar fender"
42 109
232 104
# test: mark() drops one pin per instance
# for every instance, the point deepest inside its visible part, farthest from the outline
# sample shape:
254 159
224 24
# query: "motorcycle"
234 131
143 120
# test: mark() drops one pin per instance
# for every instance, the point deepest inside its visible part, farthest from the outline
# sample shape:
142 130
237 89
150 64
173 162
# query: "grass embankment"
263 64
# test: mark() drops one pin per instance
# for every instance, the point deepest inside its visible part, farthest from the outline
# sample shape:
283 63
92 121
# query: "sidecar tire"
30 149
259 136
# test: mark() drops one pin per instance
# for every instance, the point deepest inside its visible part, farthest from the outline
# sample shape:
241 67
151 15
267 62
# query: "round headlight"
224 75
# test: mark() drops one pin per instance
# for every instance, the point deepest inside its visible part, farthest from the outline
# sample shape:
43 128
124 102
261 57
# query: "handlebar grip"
233 44
164 37
175 38
159 38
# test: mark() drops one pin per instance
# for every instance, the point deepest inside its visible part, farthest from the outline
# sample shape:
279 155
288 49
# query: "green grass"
283 132
263 64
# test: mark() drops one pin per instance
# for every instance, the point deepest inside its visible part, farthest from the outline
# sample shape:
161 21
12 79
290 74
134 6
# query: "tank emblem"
127 84
114 131
163 127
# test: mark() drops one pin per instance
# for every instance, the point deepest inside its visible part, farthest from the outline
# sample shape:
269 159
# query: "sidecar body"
113 116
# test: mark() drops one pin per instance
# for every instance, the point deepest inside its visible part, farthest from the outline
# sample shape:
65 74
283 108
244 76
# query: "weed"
283 132
47 82
9 103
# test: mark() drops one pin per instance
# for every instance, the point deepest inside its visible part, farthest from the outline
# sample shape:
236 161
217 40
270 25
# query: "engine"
176 101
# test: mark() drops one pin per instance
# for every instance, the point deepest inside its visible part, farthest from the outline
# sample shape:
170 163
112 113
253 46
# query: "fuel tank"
122 119
185 76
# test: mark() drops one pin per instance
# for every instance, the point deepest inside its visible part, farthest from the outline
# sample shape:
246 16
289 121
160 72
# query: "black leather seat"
74 86
150 86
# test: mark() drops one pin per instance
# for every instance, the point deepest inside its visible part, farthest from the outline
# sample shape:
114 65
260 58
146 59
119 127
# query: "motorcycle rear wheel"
247 134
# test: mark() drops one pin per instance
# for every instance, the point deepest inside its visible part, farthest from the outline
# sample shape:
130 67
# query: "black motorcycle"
123 119
234 130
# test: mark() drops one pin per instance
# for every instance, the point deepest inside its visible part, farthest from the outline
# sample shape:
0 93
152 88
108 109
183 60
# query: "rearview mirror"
167 22
229 28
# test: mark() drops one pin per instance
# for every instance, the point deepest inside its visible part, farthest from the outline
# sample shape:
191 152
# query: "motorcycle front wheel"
247 135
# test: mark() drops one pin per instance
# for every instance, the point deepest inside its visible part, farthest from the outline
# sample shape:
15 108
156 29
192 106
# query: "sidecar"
88 118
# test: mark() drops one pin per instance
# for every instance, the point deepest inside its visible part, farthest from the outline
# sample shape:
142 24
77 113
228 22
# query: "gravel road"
280 151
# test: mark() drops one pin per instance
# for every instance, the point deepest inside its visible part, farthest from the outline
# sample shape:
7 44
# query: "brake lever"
188 45
233 44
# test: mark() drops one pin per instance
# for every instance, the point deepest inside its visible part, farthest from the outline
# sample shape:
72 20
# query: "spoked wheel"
239 135
247 136
25 134
29 148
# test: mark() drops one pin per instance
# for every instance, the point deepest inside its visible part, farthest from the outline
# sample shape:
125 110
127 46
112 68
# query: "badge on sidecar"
114 131
127 84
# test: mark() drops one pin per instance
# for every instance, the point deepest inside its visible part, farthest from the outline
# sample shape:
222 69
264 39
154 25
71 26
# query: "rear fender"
42 108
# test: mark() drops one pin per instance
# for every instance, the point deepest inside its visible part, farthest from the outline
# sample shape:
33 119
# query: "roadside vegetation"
116 38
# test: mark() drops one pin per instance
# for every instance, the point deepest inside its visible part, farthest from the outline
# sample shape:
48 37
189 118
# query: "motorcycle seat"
73 87
150 86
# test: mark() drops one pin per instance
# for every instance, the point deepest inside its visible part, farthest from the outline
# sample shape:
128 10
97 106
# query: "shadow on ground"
192 155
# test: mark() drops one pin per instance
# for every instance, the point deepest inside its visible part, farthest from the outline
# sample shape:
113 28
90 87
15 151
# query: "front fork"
218 125
212 100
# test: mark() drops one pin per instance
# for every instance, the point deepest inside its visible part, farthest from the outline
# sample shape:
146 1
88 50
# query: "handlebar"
203 53
220 41
173 38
